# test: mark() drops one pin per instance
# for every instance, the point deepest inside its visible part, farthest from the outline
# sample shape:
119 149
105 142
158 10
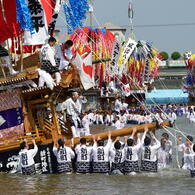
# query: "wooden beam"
56 127
26 119
38 101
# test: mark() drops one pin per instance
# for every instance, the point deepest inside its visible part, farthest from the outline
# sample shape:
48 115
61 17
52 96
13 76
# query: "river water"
168 181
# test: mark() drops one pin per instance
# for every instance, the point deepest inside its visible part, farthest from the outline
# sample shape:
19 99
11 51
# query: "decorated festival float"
189 84
28 111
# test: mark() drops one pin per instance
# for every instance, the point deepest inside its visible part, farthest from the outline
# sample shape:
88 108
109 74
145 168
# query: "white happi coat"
117 105
63 62
162 158
149 153
131 152
72 108
27 157
85 122
63 154
187 153
118 125
173 117
117 156
101 153
47 54
83 153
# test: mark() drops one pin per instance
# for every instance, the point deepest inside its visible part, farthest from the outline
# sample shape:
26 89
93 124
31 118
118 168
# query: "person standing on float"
64 55
72 107
48 63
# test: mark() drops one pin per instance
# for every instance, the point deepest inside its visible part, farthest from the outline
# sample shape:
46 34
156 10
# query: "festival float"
189 84
28 111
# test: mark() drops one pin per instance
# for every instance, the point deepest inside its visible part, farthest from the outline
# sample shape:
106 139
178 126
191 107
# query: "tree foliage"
164 55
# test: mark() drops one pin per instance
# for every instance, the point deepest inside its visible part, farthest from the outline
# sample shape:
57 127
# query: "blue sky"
178 37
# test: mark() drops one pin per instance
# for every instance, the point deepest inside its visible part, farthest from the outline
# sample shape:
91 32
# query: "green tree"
164 55
175 55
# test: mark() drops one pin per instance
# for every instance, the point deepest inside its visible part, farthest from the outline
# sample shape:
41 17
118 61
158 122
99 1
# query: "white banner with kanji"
39 23
128 50
113 69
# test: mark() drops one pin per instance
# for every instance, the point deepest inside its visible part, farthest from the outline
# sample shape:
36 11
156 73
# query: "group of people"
131 155
54 60
120 116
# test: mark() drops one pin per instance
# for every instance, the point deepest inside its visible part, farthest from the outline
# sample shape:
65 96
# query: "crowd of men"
119 116
127 155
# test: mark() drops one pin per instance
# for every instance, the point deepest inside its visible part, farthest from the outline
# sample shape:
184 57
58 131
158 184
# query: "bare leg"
9 65
58 78
73 129
41 82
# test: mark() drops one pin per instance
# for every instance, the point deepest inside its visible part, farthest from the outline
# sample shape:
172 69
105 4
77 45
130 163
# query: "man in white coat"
64 155
72 110
149 152
84 153
131 164
64 55
100 155
27 158
48 63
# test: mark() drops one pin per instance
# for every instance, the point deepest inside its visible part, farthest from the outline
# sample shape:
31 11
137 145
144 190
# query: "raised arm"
157 145
133 133
55 146
35 149
144 135
109 143
94 141
138 145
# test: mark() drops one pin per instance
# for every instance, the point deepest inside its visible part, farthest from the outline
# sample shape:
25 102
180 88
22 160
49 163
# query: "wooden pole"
2 68
55 118
9 51
14 41
22 52
91 14
26 119
31 120
119 132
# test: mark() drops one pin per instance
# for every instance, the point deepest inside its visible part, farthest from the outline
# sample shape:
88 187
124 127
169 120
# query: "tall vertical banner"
39 21
53 21
128 50
147 71
11 117
113 68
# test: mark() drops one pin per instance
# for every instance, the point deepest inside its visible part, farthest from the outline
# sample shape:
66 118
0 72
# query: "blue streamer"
75 13
103 30
23 16
189 80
